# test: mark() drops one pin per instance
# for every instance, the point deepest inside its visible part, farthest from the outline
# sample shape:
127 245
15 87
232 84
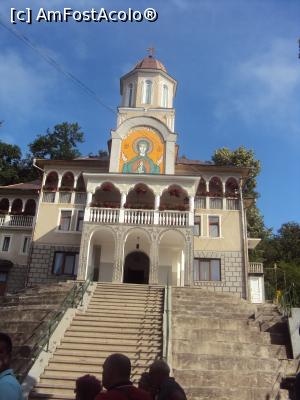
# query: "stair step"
217 393
112 330
96 341
112 323
113 347
137 336
99 357
206 362
147 353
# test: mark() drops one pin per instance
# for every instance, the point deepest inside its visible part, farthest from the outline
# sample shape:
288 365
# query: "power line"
56 65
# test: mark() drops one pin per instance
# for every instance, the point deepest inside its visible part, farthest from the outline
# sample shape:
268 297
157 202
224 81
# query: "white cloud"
265 86
23 87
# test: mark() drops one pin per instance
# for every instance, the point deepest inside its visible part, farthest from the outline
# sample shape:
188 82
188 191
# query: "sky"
236 63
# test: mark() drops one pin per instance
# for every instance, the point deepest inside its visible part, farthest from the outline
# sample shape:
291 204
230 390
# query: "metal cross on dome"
151 51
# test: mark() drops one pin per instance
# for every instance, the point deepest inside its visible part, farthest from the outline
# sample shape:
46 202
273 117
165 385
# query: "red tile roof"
33 185
150 62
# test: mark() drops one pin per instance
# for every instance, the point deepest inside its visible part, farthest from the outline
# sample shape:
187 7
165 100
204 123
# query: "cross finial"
151 51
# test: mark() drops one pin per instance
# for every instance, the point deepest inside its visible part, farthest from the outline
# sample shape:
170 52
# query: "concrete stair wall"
124 318
24 314
217 354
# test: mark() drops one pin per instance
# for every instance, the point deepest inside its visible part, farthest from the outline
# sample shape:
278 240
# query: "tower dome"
150 62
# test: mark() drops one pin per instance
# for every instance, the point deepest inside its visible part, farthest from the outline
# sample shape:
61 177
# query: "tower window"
147 92
165 96
130 95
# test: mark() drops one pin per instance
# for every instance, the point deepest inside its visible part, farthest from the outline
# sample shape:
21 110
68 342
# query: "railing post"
156 217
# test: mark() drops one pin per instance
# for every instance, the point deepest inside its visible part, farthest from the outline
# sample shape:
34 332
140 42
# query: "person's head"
143 147
145 382
159 371
5 351
116 369
87 387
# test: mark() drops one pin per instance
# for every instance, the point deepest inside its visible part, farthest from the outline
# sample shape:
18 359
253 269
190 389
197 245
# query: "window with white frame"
165 96
79 223
65 263
130 95
206 269
147 95
25 245
6 243
197 226
65 220
214 226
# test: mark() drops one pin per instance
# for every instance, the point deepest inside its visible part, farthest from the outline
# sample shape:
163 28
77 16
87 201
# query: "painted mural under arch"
142 152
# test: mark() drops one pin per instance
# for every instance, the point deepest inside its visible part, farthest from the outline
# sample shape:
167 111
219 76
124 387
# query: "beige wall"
231 232
46 230
16 243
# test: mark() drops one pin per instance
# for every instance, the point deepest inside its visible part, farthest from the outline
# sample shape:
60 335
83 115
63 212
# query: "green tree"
10 157
241 157
59 144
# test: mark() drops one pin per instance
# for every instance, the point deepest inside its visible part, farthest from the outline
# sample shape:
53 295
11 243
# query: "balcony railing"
216 203
65 197
256 268
138 217
48 197
80 198
16 221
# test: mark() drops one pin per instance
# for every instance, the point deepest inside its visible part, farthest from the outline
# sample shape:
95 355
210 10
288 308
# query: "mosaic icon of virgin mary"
141 164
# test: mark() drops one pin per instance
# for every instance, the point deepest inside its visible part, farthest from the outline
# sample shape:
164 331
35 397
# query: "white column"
207 197
224 197
74 190
122 211
58 186
156 209
191 211
89 197
182 269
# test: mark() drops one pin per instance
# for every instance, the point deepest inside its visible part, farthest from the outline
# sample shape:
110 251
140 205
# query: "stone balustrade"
16 221
256 268
138 217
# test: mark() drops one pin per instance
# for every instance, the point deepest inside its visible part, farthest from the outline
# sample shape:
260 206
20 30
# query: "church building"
142 215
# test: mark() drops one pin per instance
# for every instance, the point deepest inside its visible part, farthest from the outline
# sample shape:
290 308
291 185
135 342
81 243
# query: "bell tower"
144 139
148 88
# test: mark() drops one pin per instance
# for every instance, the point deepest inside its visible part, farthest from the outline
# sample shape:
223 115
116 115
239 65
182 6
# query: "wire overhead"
56 65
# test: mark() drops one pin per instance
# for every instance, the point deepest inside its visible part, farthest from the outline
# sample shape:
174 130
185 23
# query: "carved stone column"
83 256
189 258
119 256
154 258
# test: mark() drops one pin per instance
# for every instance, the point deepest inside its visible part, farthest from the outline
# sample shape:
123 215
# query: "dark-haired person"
167 387
87 387
10 388
116 379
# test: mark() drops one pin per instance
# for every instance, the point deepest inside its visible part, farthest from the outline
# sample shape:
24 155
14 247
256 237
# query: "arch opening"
140 197
136 268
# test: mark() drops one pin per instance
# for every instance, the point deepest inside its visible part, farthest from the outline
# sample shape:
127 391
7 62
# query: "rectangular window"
207 269
26 244
197 226
65 263
80 216
214 226
6 243
65 220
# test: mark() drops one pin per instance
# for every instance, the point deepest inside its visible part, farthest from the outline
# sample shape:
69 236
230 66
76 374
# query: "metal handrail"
287 300
73 299
166 323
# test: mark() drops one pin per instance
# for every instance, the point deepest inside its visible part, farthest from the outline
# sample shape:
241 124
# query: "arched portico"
100 255
172 258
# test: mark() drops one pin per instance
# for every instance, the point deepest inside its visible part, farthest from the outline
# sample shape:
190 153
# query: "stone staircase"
124 318
218 353
25 314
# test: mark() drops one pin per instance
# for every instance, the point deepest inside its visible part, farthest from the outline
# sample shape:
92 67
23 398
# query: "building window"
6 243
130 95
165 96
147 92
65 220
207 269
214 226
65 263
25 245
80 216
197 226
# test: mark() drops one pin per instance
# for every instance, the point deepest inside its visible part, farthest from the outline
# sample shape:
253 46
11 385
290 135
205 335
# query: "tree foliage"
241 157
10 157
59 144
